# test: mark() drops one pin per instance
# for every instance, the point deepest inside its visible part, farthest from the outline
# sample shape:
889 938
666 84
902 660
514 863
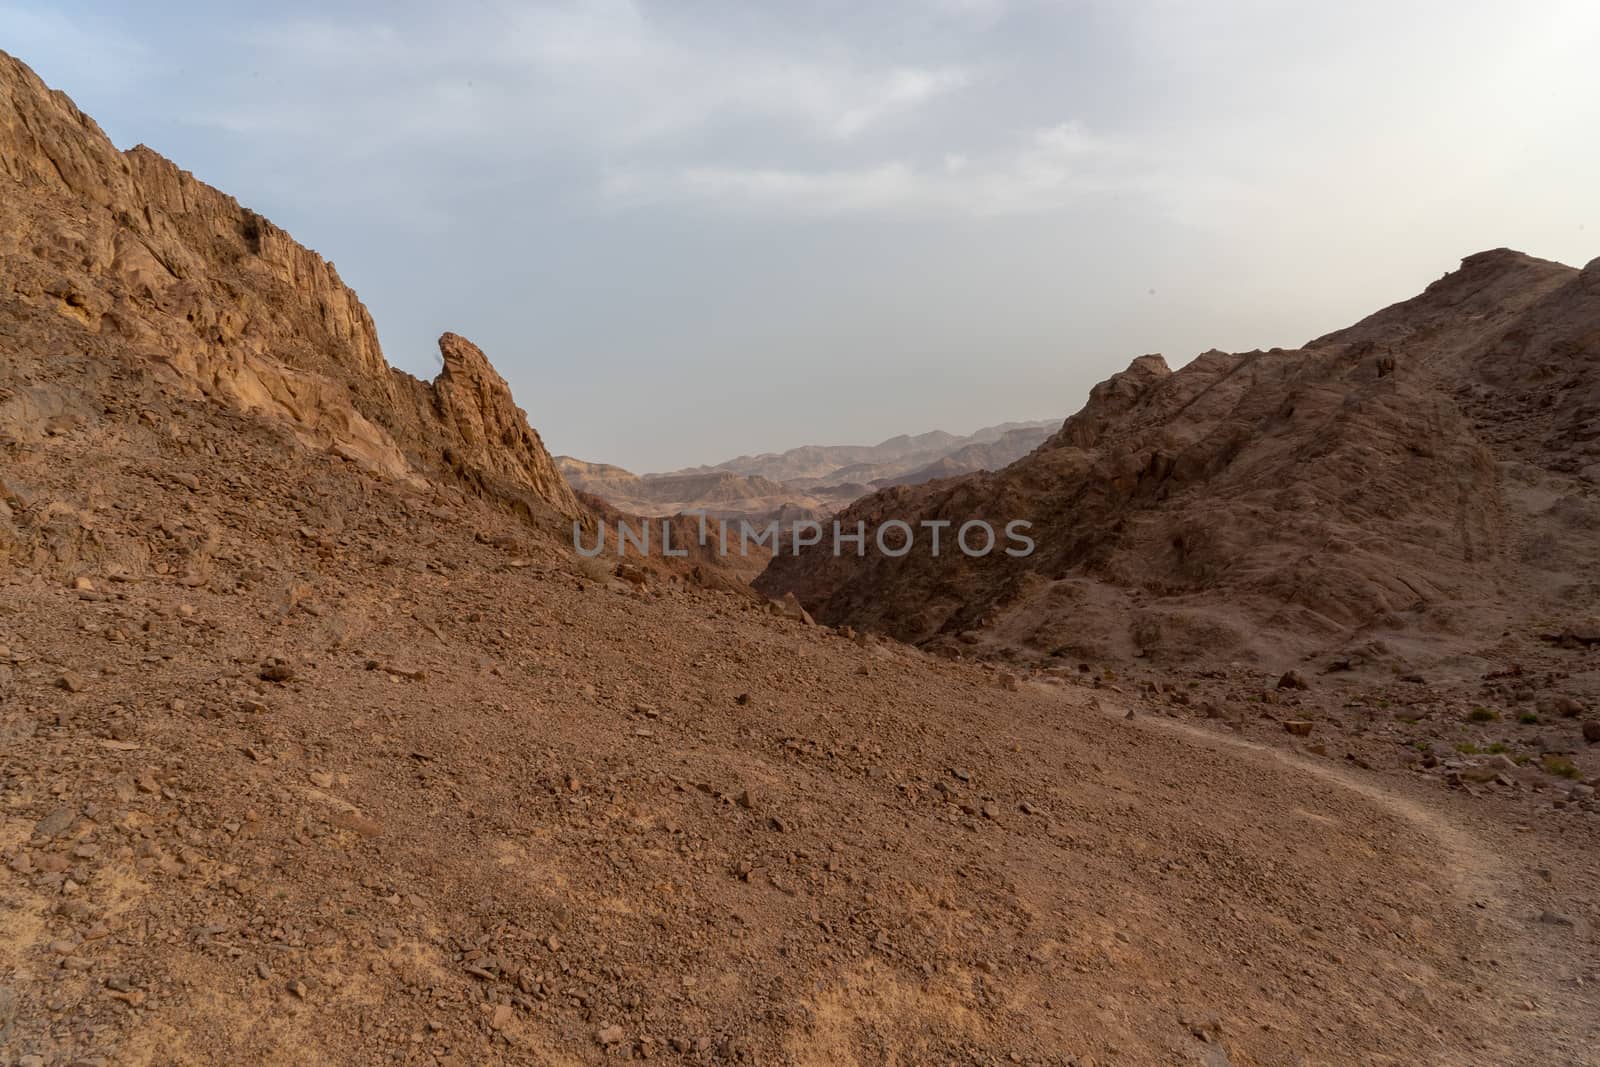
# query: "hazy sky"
689 230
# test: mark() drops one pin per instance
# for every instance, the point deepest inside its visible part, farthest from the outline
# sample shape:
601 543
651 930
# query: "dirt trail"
1489 870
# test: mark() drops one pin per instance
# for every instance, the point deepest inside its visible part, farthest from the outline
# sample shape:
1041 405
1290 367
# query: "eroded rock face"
122 253
1421 475
494 440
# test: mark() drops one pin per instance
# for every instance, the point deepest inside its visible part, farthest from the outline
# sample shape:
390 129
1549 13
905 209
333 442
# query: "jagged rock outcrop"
487 436
702 562
141 260
1425 476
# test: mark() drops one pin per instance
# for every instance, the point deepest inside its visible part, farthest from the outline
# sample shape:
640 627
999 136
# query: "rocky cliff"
1427 476
124 254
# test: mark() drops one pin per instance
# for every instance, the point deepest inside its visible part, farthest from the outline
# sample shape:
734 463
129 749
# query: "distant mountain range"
812 480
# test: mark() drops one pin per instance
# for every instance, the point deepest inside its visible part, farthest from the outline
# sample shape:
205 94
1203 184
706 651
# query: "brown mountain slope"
700 563
1276 504
313 766
718 494
982 456
809 462
325 756
104 249
821 466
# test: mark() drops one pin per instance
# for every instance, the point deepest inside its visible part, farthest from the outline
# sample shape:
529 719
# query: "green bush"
1560 766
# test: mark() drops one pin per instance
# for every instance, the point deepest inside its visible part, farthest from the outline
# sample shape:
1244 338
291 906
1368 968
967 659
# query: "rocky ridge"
811 482
1404 480
135 254
817 465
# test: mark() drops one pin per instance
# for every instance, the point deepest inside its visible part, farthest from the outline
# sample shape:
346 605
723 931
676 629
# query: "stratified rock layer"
138 258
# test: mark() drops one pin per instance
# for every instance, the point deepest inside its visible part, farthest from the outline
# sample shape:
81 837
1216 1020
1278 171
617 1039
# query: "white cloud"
1052 167
901 91
594 72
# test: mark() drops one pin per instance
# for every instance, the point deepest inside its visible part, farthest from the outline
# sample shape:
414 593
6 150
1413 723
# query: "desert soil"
302 767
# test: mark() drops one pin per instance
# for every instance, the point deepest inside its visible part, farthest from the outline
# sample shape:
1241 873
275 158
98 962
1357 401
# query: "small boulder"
791 608
276 670
1562 705
1584 632
54 823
